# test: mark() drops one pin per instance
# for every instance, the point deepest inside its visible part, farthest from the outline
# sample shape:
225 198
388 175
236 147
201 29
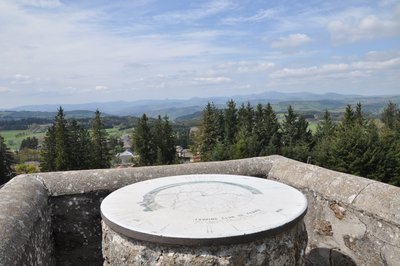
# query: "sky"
59 51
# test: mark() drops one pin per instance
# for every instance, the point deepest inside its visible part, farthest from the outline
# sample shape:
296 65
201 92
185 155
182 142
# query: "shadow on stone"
328 257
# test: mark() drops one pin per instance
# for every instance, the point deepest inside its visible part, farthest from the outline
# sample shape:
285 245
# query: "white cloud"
21 77
4 90
291 41
356 27
40 3
101 88
211 8
246 66
372 65
213 79
358 68
261 15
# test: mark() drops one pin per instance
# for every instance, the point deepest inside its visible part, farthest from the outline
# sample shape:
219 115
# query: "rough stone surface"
77 230
286 248
368 232
81 182
25 225
363 215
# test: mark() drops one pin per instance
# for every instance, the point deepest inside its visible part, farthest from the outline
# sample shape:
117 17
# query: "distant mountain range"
301 101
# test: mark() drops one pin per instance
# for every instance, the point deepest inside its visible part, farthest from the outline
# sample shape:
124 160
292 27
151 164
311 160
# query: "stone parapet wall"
25 223
350 220
50 218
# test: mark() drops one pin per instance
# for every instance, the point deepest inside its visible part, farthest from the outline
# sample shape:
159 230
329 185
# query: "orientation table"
204 219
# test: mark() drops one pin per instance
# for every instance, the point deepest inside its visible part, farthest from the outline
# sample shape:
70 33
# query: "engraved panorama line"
149 203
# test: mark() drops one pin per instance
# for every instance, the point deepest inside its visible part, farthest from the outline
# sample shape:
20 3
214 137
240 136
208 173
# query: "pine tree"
230 125
211 129
389 115
245 145
80 143
100 151
354 148
289 133
144 142
29 143
348 117
323 138
389 166
48 152
246 117
326 127
359 116
296 137
68 146
62 145
266 131
6 161
165 141
221 152
270 134
259 130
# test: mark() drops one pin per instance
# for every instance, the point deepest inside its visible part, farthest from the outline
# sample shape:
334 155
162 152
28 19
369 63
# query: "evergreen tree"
303 133
359 116
246 118
389 166
210 131
62 145
80 143
165 141
296 137
348 117
230 126
289 131
356 146
68 146
270 134
221 152
144 142
389 152
6 161
245 145
390 115
348 149
326 127
29 143
323 138
48 152
259 130
100 151
266 130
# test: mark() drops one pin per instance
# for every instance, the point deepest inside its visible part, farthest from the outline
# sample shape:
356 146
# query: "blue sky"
55 51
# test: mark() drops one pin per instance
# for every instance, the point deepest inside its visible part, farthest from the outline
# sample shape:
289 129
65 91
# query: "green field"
13 138
116 132
312 126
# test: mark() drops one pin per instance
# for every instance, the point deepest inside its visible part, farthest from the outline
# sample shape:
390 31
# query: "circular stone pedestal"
204 220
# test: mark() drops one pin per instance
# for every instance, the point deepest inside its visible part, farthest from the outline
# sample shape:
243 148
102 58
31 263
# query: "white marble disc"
194 207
